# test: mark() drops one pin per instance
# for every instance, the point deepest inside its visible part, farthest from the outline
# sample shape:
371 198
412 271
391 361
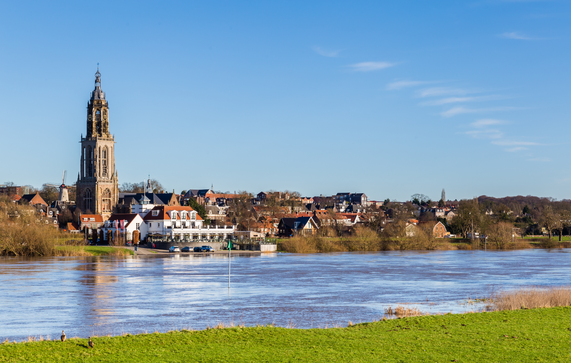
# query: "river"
112 295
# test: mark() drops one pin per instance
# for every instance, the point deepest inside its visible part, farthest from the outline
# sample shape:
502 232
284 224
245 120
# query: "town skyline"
347 101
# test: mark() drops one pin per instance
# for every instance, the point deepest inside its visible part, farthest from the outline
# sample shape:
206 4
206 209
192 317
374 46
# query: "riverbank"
368 242
92 251
505 336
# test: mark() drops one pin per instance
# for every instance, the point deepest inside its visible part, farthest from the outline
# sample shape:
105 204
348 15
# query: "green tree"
469 218
199 209
49 193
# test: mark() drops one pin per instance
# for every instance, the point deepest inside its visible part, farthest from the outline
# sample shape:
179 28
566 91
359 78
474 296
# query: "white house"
182 223
126 224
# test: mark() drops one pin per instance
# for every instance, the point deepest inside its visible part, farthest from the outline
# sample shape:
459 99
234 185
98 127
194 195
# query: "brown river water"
88 296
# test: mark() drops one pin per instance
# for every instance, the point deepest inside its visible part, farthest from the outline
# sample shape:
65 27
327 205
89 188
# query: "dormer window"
183 215
173 215
155 213
193 216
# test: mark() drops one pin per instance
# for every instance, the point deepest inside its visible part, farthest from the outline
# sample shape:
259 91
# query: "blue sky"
390 98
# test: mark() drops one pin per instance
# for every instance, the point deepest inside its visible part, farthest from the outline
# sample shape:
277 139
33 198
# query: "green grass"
94 251
553 237
539 335
102 251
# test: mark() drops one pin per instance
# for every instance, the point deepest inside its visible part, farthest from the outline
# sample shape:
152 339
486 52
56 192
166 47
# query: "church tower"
97 183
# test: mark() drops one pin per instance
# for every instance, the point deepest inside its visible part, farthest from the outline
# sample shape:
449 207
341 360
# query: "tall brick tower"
97 182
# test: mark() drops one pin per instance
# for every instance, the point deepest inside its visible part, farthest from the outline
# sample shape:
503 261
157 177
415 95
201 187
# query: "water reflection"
109 295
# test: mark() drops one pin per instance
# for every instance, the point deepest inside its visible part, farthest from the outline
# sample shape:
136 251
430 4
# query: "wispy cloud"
326 52
461 110
445 101
515 143
443 91
487 122
405 84
454 111
516 35
515 149
486 134
370 66
543 160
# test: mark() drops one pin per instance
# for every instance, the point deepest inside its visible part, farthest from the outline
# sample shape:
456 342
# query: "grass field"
554 237
93 251
539 335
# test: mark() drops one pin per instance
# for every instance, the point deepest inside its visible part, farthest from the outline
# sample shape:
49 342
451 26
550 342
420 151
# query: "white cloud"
458 111
487 122
370 66
404 84
326 52
445 101
516 35
442 91
462 110
517 148
486 134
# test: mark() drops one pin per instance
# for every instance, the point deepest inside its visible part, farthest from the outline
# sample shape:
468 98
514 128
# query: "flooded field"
108 295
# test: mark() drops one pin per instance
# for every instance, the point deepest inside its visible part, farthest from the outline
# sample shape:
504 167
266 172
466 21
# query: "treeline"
24 233
522 215
363 238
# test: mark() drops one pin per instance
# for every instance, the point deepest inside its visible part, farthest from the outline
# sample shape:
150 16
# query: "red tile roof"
97 218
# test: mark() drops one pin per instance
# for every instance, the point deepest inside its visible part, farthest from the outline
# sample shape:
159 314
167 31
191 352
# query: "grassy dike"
542 335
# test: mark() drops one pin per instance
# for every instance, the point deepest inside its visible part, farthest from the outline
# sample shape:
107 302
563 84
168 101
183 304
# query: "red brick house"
33 199
439 231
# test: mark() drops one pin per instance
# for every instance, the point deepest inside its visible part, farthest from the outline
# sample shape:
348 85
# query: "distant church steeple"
97 185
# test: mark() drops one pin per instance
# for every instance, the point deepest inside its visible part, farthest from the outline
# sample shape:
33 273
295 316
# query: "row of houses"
177 223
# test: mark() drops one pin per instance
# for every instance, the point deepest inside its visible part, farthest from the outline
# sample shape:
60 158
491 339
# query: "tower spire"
97 93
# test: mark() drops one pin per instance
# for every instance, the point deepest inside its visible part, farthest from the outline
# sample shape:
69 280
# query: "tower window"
98 122
106 201
88 200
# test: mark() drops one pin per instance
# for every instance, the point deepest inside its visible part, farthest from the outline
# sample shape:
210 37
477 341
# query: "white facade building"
126 224
182 223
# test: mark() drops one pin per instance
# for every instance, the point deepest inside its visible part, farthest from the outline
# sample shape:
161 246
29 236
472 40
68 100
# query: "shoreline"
510 335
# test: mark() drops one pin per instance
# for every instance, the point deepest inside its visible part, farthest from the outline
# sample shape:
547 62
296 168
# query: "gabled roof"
135 198
164 213
291 222
165 197
94 218
197 193
33 199
129 217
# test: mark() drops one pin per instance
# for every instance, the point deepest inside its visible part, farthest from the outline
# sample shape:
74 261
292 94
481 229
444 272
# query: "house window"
155 213
138 225
150 225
